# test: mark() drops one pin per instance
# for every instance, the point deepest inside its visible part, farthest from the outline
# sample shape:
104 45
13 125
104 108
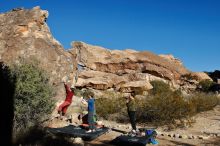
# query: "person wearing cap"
69 95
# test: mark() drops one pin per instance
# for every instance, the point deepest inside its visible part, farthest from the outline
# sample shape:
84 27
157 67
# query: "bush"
205 85
161 106
109 103
159 88
33 93
163 109
203 101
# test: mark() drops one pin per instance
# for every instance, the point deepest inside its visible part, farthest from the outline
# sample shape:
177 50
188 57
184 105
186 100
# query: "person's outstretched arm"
68 90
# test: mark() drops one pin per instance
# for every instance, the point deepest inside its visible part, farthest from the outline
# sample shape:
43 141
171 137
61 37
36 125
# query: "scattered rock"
183 136
212 135
176 135
127 127
164 134
206 137
171 135
78 140
200 137
159 132
203 137
190 136
194 137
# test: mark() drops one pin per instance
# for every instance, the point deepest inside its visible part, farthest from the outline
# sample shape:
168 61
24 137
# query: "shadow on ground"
39 136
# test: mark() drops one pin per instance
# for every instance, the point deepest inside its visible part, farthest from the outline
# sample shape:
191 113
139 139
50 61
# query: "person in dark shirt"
69 95
131 109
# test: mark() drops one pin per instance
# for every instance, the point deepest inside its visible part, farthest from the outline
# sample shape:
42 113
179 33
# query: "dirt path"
205 131
206 127
105 139
163 141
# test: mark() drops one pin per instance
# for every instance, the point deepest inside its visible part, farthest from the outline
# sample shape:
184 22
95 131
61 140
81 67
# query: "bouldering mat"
126 140
77 131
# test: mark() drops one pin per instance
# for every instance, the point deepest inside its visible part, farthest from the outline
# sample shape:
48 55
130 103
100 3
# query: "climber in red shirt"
69 95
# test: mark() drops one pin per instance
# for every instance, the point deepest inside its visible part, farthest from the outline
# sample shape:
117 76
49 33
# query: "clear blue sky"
188 29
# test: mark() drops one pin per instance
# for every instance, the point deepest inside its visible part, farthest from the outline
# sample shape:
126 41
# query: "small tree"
32 99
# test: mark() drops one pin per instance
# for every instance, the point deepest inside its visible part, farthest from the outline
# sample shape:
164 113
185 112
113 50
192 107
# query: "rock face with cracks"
125 70
25 34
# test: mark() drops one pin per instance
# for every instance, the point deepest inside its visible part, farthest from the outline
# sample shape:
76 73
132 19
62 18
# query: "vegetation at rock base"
161 106
32 98
205 85
159 88
109 103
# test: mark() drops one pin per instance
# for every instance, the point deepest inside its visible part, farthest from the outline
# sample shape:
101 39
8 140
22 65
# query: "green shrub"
161 106
163 109
32 99
109 103
205 85
159 88
140 91
203 101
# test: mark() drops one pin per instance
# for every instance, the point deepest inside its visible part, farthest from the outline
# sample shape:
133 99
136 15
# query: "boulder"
199 76
25 34
123 69
183 136
130 86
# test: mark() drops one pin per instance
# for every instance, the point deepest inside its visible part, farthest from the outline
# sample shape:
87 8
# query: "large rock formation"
25 34
124 70
127 61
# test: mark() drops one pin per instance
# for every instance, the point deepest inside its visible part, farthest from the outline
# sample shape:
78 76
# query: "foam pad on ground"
126 140
76 131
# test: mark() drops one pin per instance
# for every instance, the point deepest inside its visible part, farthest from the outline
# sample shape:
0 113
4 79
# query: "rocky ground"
205 131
